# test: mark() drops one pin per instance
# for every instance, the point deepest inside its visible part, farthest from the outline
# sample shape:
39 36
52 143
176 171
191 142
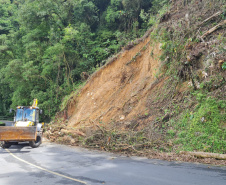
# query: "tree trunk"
206 155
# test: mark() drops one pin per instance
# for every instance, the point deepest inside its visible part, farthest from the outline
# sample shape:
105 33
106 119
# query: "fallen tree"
222 23
213 16
205 155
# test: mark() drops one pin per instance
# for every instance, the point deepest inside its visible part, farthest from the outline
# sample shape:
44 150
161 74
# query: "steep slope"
118 91
137 104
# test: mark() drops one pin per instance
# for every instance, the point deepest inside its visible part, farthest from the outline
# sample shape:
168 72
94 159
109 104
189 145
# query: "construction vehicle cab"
26 116
26 127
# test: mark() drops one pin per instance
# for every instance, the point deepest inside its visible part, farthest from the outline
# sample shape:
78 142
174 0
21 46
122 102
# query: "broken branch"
214 15
214 29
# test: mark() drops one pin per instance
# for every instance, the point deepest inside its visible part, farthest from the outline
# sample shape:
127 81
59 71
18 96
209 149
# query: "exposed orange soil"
118 91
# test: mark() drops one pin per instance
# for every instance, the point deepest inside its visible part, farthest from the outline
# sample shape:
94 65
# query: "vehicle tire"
37 142
5 144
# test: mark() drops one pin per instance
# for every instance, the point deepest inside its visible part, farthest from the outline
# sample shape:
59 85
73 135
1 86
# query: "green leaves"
224 66
45 45
70 34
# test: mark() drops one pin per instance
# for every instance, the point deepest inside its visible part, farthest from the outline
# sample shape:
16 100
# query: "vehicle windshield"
19 115
25 114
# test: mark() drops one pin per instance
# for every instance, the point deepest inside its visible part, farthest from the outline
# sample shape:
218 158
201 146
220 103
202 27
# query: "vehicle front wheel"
37 142
5 144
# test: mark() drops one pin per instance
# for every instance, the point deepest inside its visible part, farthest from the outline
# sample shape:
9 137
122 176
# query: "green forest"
45 45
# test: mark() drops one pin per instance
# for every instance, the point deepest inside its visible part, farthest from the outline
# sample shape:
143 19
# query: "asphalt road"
53 164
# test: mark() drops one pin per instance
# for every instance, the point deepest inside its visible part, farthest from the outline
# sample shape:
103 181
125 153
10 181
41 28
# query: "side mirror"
11 111
40 111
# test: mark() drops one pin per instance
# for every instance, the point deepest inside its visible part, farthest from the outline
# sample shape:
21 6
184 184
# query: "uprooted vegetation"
138 105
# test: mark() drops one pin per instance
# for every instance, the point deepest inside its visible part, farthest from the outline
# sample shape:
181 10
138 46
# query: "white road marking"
43 169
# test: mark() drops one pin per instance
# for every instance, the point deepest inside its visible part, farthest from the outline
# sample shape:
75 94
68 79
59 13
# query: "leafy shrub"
224 66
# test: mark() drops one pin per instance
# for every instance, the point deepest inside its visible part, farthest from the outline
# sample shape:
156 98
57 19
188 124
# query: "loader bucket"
17 133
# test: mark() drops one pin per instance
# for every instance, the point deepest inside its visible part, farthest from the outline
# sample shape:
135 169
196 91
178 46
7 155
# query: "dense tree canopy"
45 45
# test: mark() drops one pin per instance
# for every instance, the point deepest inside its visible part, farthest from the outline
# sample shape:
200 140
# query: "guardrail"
4 118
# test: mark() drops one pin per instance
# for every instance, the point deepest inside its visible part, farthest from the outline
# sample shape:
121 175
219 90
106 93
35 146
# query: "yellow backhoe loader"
26 127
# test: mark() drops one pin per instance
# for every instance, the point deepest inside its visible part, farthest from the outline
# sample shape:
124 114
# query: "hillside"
161 93
118 91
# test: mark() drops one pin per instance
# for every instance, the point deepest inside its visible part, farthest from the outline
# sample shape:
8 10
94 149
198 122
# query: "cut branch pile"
124 141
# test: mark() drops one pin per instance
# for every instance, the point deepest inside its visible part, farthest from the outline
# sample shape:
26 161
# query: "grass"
2 124
201 129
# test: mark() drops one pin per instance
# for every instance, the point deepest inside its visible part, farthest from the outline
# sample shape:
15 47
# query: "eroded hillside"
142 105
118 92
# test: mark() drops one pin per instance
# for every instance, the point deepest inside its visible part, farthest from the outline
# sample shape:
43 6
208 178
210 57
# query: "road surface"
53 164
